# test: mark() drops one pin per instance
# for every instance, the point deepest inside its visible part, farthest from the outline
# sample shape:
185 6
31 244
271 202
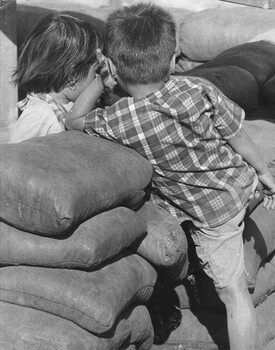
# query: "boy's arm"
244 145
84 104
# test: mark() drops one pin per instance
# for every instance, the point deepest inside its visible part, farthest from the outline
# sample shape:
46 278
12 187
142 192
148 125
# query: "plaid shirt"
182 130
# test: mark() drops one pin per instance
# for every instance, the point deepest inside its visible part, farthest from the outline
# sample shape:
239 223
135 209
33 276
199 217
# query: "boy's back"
182 130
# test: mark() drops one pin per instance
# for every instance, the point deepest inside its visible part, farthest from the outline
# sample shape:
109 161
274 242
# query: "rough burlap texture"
234 82
51 184
203 36
165 243
96 240
91 299
24 328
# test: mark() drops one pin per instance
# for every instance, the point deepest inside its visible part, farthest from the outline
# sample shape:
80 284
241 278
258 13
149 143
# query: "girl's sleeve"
35 121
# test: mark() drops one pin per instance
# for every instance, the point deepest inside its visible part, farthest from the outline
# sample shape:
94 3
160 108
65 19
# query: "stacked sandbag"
76 237
205 34
244 73
191 314
31 329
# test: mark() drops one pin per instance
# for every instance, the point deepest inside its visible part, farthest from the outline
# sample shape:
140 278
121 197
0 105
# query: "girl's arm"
244 145
84 104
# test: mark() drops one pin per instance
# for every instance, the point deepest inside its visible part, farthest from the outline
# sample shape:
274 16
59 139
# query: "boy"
191 133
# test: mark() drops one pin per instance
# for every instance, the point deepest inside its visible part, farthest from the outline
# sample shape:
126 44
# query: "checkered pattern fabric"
182 130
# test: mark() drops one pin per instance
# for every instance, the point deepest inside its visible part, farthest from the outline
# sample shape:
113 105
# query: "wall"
193 5
8 58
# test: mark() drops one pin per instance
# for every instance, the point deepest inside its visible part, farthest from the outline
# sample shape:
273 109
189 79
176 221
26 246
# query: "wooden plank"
265 4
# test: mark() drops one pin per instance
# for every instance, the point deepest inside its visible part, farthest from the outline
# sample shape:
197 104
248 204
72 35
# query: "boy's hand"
268 190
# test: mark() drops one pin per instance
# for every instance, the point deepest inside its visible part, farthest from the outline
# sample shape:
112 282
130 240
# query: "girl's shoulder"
33 104
37 119
39 111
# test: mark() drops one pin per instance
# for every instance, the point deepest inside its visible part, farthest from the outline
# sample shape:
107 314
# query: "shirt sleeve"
100 123
228 116
35 121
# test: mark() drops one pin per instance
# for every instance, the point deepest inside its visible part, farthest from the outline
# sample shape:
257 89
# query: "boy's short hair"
141 41
59 49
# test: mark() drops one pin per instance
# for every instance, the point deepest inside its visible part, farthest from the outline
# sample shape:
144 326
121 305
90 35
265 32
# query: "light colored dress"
41 116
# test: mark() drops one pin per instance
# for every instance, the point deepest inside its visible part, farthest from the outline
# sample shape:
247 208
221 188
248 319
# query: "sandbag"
259 240
198 330
24 328
234 82
93 242
28 16
204 329
256 58
165 242
51 184
265 284
203 36
91 299
268 90
164 245
201 288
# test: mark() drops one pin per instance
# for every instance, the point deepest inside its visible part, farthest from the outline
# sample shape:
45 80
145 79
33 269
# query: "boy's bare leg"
241 317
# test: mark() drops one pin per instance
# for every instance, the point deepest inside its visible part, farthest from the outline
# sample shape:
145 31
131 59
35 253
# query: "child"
192 134
58 60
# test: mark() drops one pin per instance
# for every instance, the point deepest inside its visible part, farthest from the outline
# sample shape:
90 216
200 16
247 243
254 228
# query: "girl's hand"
98 83
105 72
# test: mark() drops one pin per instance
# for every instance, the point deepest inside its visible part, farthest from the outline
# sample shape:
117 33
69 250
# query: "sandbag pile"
191 316
244 73
86 261
80 247
205 34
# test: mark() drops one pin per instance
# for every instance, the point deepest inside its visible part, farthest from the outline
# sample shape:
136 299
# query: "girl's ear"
173 64
72 84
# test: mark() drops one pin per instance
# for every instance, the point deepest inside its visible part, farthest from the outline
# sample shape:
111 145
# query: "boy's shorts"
220 250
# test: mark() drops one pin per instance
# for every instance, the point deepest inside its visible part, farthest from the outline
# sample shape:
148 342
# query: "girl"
58 60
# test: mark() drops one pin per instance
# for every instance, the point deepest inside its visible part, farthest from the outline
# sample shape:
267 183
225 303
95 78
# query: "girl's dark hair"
141 41
59 49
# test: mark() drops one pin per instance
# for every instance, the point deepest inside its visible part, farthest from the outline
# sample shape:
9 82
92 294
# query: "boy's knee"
236 291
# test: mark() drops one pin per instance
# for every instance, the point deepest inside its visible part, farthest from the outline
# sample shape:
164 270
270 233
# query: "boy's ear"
173 64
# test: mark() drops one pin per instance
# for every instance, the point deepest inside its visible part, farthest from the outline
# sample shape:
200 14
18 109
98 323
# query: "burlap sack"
51 184
165 242
268 90
255 57
91 299
259 240
265 283
24 328
205 34
96 240
205 329
236 83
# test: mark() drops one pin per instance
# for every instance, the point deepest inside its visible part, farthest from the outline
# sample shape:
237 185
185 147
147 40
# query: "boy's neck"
140 91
